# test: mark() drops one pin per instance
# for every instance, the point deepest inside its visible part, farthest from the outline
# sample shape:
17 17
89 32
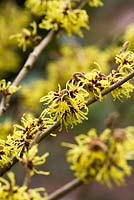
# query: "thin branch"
65 189
4 104
82 4
27 177
32 58
49 131
124 47
26 68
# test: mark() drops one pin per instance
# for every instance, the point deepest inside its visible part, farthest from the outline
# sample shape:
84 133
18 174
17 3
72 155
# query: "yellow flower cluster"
7 88
27 37
103 157
82 59
125 61
61 15
30 160
10 190
55 14
93 82
39 7
69 105
18 142
59 71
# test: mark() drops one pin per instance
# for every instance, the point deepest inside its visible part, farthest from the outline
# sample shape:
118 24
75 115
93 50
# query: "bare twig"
4 104
27 177
32 58
124 47
83 3
26 68
65 189
49 131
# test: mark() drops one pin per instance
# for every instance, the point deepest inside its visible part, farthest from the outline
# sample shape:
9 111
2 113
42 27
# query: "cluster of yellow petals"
61 14
102 157
69 105
6 88
10 190
18 141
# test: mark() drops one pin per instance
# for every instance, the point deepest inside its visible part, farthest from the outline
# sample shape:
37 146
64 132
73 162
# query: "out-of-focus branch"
83 3
65 189
26 68
32 58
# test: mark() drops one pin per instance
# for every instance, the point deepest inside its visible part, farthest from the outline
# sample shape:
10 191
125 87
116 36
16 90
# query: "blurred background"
110 26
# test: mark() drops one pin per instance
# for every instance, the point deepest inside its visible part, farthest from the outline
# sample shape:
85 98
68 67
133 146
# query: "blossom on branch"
102 157
67 105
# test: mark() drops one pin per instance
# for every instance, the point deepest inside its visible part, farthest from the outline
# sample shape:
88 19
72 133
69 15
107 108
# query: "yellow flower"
7 88
67 105
102 158
30 160
125 61
93 82
60 14
123 91
9 190
27 37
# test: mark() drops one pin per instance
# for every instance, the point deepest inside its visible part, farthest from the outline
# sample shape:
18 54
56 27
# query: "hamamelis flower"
30 160
6 88
30 125
102 158
37 7
17 142
9 190
125 61
60 14
67 106
93 82
123 91
27 37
